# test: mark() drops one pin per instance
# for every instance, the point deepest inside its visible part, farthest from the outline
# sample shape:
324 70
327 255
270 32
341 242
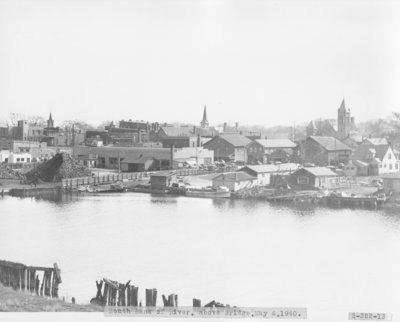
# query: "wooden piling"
32 280
37 283
105 295
165 301
148 297
154 297
135 296
128 296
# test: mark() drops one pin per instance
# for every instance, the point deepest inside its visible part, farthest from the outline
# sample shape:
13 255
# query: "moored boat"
209 192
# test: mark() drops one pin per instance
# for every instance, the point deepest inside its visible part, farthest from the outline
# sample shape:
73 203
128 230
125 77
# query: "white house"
380 158
264 172
20 158
4 155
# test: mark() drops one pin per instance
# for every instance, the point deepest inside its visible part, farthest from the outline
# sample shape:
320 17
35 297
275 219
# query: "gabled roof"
276 143
234 177
363 150
209 131
330 143
360 163
270 168
177 130
376 141
320 171
236 140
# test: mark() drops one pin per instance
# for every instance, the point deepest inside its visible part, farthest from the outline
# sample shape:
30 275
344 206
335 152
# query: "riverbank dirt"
18 301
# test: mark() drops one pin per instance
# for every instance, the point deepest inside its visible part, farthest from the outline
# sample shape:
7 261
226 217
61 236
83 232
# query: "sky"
253 62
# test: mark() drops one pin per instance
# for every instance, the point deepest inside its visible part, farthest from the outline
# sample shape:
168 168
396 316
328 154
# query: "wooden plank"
111 284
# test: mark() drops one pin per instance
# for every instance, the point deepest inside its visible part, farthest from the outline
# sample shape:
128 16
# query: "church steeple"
50 122
204 123
342 106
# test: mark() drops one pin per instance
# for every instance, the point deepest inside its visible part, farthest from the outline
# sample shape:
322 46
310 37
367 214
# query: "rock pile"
59 167
6 172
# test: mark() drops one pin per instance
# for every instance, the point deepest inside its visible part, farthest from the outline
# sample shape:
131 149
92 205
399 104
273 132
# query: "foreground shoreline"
20 301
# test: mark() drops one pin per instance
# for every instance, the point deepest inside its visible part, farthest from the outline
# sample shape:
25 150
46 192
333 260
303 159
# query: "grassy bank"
17 301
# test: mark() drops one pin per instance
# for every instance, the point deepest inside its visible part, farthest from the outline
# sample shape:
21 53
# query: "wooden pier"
26 278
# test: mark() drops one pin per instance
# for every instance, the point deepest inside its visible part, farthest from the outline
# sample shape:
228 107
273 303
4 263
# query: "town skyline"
11 118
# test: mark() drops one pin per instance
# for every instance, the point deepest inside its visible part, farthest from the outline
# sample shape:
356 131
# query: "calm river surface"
237 252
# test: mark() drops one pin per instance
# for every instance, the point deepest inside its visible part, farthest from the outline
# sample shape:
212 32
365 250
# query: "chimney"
224 126
236 126
171 161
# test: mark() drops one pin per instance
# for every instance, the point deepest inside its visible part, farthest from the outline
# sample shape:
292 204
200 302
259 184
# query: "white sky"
256 62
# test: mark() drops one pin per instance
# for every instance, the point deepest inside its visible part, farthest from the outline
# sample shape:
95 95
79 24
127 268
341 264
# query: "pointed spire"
205 113
342 106
204 123
50 118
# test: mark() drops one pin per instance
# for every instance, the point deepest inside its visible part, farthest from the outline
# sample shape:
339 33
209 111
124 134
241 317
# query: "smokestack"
171 161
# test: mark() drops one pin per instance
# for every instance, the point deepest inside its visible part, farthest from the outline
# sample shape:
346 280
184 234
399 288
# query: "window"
28 159
302 180
390 166
22 159
397 166
17 159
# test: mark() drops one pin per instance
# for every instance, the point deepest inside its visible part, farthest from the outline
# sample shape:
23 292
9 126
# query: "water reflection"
209 249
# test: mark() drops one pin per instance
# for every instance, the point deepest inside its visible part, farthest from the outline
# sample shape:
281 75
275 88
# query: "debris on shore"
6 172
59 167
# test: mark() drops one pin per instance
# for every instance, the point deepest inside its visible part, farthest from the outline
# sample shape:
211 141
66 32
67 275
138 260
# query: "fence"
112 178
22 277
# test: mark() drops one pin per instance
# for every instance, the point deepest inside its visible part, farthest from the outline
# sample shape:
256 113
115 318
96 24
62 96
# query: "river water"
242 253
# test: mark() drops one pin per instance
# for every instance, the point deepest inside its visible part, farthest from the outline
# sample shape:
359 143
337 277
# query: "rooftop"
330 143
377 141
320 171
363 150
236 140
267 168
276 143
234 177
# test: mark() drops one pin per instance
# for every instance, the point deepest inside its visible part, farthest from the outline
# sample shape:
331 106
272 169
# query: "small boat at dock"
209 192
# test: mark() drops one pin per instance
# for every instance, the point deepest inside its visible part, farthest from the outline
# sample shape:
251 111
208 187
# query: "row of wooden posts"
26 278
118 294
